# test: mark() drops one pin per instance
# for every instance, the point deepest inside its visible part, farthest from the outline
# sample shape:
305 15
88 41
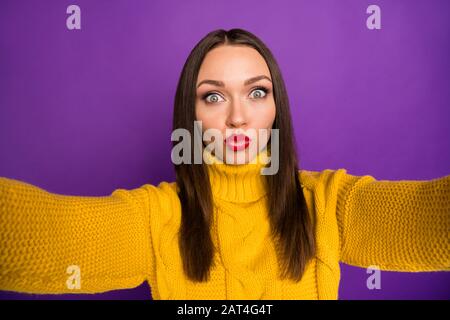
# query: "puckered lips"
237 142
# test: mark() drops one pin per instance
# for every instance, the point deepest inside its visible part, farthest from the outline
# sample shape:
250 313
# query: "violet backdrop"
83 112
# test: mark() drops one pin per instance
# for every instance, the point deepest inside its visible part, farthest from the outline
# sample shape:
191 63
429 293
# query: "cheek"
264 118
272 115
208 118
202 115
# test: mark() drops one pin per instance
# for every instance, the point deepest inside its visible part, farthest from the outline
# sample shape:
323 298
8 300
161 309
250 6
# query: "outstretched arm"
396 225
47 240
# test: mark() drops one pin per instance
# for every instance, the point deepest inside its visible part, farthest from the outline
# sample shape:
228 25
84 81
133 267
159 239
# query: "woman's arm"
51 243
396 225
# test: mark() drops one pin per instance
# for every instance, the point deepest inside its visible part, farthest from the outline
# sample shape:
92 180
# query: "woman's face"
234 95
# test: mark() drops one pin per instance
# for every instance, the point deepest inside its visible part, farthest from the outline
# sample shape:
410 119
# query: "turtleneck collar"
238 183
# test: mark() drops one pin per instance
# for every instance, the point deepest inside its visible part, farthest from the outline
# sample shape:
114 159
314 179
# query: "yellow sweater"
122 240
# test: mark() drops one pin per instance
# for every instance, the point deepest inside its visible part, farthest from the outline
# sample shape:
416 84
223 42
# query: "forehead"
232 63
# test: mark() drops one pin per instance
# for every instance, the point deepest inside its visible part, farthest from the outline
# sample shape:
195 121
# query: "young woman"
224 230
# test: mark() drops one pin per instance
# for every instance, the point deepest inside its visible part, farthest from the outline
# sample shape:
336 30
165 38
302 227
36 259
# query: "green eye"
211 97
259 93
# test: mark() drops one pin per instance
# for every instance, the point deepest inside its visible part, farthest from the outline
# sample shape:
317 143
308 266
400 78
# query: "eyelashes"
206 95
264 89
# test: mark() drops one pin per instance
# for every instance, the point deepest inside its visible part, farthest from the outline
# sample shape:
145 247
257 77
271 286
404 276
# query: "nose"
237 117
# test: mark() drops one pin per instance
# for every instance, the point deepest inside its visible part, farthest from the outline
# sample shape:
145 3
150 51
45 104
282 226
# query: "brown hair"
291 225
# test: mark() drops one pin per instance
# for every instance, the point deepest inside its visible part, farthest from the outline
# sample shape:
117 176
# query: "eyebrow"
246 82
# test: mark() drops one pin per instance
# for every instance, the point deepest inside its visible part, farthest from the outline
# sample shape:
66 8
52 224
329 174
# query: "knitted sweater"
126 238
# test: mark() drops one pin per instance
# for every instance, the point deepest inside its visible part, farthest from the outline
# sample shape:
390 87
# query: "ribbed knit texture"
121 240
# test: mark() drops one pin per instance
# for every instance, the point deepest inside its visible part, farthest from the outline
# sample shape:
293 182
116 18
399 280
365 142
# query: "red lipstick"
237 142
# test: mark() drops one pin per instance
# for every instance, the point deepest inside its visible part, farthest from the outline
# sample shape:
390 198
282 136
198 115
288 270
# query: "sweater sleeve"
51 243
395 225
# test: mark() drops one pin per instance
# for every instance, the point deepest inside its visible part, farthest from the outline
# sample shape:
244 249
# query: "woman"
223 230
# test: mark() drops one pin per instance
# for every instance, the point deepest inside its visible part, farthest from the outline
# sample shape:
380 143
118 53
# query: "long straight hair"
292 228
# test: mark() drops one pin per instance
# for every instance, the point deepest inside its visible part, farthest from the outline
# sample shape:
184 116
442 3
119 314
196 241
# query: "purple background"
84 112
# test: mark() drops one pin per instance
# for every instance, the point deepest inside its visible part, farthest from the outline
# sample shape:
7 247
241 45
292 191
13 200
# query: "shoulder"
160 197
311 179
163 192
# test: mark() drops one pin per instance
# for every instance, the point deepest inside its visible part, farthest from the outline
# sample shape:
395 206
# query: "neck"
238 183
